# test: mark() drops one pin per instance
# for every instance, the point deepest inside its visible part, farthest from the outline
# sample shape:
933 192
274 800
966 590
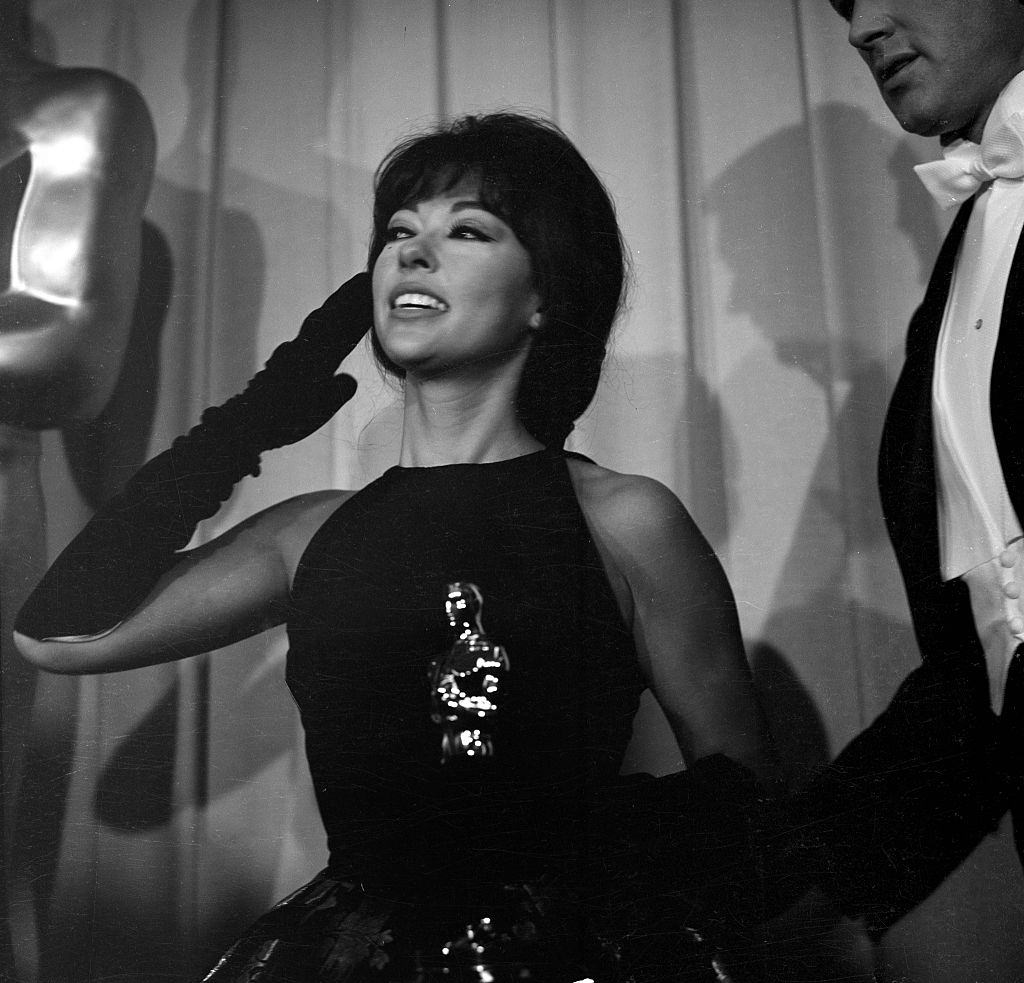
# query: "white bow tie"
966 166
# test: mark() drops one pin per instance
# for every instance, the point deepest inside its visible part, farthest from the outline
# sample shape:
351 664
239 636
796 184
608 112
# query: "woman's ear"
537 317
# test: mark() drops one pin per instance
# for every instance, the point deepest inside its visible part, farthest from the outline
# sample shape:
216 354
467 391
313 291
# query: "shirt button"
1016 625
1012 589
1008 558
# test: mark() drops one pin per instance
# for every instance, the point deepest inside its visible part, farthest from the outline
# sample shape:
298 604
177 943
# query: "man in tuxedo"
914 794
951 466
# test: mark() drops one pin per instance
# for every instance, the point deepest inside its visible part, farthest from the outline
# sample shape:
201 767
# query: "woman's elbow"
64 658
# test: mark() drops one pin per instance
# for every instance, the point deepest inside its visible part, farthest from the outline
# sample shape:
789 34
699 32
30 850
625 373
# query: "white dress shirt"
979 532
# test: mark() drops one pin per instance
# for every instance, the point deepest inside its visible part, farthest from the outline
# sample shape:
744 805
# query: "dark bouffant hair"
527 172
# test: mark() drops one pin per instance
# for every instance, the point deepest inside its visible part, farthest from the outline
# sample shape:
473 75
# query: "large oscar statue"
77 153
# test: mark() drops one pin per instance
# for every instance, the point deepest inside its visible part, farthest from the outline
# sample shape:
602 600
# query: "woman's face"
453 287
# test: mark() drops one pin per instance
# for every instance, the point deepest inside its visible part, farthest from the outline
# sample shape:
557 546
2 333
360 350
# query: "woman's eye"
395 232
465 231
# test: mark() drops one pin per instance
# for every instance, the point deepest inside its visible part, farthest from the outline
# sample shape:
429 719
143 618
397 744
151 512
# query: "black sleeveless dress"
471 870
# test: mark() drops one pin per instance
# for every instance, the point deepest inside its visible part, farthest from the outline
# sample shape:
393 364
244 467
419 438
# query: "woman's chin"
423 360
404 350
409 358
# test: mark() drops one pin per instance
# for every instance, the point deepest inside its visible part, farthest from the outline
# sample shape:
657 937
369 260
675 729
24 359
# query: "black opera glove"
297 391
704 846
911 797
113 563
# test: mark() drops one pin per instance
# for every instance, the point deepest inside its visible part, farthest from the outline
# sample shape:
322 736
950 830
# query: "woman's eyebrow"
461 205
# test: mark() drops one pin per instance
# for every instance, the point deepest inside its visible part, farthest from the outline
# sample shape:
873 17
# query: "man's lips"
891 67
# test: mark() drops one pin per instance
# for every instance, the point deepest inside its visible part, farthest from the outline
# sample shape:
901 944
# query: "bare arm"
220 593
674 593
73 256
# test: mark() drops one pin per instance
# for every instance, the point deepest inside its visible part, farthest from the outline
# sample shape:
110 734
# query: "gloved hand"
692 850
112 564
297 391
910 797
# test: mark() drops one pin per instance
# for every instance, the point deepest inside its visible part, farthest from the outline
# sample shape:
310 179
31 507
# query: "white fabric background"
780 243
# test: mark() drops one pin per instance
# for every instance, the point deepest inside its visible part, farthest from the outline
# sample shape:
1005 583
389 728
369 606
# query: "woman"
497 272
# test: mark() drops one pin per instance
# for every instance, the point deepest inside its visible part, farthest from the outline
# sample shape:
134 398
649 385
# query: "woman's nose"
416 253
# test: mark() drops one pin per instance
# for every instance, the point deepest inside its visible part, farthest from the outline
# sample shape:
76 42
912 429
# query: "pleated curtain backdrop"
779 244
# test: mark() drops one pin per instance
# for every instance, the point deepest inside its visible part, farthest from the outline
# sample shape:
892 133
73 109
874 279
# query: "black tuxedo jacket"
941 612
908 799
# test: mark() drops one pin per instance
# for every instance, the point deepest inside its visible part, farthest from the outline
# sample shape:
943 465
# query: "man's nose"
869 23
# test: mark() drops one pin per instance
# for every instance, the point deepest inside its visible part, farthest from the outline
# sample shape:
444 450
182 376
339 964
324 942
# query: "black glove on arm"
112 564
694 849
909 798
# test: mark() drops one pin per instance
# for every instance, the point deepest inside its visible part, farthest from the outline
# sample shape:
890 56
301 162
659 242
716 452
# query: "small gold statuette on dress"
466 684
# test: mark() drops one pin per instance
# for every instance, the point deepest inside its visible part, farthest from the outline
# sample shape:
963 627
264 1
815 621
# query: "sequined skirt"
335 930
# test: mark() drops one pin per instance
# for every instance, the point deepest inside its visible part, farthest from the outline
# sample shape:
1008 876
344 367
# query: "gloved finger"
323 398
356 294
344 387
344 318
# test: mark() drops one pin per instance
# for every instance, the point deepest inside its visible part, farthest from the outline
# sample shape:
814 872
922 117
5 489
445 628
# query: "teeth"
420 300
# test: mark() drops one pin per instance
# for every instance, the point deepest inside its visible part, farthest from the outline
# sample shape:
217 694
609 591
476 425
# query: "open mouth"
418 302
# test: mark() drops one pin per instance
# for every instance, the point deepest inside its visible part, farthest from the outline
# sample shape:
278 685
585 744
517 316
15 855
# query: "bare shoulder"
628 506
658 562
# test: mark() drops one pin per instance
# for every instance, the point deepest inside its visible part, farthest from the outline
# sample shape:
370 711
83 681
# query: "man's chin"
914 119
948 120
